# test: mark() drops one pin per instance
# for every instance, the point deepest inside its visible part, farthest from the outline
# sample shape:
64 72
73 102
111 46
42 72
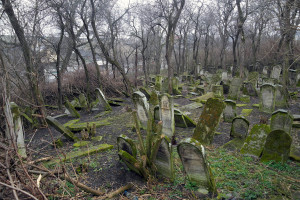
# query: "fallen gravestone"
182 120
59 127
142 107
196 166
102 100
229 112
255 141
281 120
126 144
267 98
73 112
277 146
239 127
208 121
166 113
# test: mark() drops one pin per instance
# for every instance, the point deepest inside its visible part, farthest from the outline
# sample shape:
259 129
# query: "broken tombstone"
103 104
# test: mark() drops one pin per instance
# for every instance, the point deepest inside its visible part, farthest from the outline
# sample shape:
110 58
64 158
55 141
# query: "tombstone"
208 121
266 71
269 81
102 100
229 112
163 160
255 141
281 98
60 128
267 98
295 146
239 127
292 77
182 120
175 83
166 112
154 98
83 101
249 89
18 129
253 78
145 92
158 83
73 112
281 120
235 86
216 79
224 77
141 106
200 90
156 113
126 144
218 91
275 73
193 157
277 147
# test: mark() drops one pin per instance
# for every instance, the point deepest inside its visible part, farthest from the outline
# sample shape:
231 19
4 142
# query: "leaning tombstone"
142 107
275 73
83 101
255 141
196 166
166 112
239 127
163 159
267 98
208 121
218 91
145 92
235 87
18 128
281 97
229 112
281 120
126 144
102 100
73 112
277 147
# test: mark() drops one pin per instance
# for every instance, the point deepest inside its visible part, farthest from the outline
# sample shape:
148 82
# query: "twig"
116 192
18 189
10 178
31 138
40 160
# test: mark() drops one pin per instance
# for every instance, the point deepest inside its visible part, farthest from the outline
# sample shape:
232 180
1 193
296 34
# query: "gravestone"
102 100
154 98
266 71
73 112
235 87
229 112
275 73
156 113
166 112
208 121
281 120
253 78
239 127
175 82
158 83
145 92
269 81
277 147
267 98
218 91
60 128
126 144
195 164
141 106
18 128
292 77
281 98
295 146
182 120
163 159
249 89
224 77
83 101
255 141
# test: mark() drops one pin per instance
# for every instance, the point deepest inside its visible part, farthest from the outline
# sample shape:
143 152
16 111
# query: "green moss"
72 109
102 114
203 97
97 138
59 143
241 105
245 98
81 143
234 145
59 127
80 126
154 98
69 123
130 161
246 112
255 105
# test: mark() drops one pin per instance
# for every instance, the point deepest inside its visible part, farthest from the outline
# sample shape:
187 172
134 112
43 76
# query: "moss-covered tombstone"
145 92
154 98
239 127
229 112
277 146
83 101
295 146
73 112
275 73
196 166
175 85
281 120
281 97
142 107
246 112
218 91
244 98
235 87
158 83
166 112
249 89
103 104
60 128
255 141
208 121
267 98
127 144
182 120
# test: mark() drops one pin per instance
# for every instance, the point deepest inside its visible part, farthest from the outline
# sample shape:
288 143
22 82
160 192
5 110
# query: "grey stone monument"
267 98
167 115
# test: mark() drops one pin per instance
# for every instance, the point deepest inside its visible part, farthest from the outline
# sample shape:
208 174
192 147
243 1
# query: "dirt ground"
105 171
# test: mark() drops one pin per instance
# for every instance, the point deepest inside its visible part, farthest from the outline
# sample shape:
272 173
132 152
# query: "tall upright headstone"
229 112
267 98
275 73
235 87
167 115
142 107
208 121
281 97
239 127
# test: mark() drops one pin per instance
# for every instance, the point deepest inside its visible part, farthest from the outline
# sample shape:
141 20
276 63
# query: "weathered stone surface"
244 98
239 127
156 113
126 144
182 120
235 87
102 100
277 146
175 82
295 146
76 127
163 160
158 83
281 120
267 98
71 109
208 121
193 158
275 73
229 112
192 106
234 145
83 101
253 79
281 97
249 89
59 127
145 92
218 91
142 107
246 112
203 97
255 141
166 112
154 98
